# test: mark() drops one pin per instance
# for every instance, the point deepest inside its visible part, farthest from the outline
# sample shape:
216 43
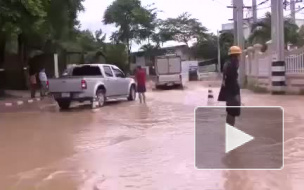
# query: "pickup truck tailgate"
65 85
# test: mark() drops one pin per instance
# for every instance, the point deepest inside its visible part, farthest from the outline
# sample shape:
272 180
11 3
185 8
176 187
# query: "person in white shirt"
43 80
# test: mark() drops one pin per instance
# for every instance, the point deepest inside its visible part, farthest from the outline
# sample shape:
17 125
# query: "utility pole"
240 39
218 67
238 15
278 77
293 10
234 3
254 11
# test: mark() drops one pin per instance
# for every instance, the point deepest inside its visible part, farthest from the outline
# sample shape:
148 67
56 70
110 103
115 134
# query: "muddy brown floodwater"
131 146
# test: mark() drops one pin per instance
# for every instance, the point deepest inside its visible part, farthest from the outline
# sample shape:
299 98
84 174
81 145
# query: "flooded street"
126 145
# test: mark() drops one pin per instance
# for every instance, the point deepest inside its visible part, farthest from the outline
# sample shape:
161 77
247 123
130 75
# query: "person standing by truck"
33 80
43 82
140 78
230 90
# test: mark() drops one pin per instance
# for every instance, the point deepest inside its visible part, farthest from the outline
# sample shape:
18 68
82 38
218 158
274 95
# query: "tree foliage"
132 20
207 48
261 31
36 25
116 54
183 28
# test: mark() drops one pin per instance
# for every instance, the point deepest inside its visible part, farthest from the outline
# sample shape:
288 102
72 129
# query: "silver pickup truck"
92 82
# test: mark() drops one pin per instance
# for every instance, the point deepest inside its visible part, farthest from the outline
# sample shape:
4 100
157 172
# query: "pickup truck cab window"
118 73
87 70
108 71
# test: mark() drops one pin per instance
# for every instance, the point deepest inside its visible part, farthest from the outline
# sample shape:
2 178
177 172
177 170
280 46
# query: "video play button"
254 142
235 138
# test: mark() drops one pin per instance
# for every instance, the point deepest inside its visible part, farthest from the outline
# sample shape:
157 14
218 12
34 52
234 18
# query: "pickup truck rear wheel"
132 93
100 97
64 104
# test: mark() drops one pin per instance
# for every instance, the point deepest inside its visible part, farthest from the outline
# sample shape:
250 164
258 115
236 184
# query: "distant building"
140 58
247 29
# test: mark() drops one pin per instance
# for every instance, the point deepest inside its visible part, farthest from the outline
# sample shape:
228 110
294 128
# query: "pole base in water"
278 78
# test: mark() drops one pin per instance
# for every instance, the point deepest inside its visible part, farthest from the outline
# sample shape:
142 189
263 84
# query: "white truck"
92 82
169 71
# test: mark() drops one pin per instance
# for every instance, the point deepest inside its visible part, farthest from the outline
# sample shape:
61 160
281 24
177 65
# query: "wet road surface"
131 146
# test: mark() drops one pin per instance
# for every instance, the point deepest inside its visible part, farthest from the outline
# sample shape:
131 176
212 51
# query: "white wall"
140 61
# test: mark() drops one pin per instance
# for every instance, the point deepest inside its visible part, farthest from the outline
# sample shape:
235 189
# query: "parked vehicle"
168 71
92 82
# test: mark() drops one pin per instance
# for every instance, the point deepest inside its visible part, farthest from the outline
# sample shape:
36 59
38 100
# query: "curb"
19 102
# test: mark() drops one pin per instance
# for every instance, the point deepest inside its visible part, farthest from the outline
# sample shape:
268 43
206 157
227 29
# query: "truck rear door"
175 66
168 65
162 66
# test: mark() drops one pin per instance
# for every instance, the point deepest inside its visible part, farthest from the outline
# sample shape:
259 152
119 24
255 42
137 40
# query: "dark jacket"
230 87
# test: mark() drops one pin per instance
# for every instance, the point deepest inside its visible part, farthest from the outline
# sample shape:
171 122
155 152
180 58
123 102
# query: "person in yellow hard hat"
230 90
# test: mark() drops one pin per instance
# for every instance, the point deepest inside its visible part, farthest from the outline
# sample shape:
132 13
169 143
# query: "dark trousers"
33 90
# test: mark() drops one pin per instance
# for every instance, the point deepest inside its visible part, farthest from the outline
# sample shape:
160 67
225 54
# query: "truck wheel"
64 104
132 94
100 97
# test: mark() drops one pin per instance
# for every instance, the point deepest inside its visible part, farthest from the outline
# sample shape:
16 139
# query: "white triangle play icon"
236 138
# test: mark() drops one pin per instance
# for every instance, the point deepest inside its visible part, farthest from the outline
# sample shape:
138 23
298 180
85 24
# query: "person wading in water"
230 90
140 78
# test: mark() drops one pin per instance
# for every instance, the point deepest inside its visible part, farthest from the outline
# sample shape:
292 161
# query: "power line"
263 2
262 8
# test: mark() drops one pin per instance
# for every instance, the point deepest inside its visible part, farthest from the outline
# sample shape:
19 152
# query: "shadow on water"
175 87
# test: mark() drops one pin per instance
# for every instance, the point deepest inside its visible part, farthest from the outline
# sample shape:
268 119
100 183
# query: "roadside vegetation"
51 26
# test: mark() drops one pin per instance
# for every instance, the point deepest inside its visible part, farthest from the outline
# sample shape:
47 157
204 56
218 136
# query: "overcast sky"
211 13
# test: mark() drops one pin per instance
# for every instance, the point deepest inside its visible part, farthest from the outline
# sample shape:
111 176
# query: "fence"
259 70
295 64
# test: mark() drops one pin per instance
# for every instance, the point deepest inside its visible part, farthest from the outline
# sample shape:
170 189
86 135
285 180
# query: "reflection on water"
128 146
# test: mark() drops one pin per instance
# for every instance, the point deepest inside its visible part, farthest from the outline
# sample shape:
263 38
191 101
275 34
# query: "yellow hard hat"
235 50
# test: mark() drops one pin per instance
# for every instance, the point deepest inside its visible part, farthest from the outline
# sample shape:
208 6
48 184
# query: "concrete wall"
258 69
295 83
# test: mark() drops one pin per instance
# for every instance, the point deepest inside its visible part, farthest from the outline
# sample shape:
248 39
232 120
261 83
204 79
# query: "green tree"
261 31
226 41
301 36
206 48
183 28
59 26
19 18
36 24
132 20
116 54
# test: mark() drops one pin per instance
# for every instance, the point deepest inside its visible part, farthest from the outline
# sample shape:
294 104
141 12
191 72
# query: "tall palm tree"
261 31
